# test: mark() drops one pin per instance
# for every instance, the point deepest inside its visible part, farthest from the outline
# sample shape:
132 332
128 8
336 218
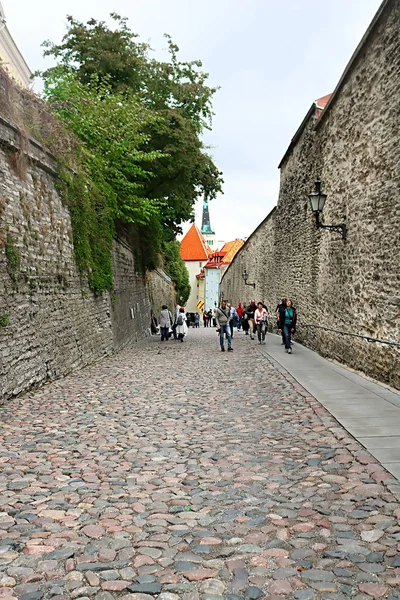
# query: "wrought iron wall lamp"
245 278
317 202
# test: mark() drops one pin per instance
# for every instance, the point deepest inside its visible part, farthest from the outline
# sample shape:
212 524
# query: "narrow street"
177 472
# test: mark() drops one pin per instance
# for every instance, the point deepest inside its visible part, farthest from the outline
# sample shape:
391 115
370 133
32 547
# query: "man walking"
222 317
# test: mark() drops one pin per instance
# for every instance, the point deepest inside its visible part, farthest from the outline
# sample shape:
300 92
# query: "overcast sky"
272 58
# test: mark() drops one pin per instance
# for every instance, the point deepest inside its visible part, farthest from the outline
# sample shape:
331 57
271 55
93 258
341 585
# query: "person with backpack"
181 326
165 321
222 317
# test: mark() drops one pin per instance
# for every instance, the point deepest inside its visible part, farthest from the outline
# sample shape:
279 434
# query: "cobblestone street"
177 472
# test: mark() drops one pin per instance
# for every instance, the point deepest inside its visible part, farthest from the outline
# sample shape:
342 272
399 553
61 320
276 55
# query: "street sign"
200 305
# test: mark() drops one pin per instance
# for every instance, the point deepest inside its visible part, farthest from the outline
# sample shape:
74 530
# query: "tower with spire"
207 232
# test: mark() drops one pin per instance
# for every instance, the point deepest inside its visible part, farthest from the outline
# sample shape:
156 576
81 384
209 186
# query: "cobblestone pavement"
174 471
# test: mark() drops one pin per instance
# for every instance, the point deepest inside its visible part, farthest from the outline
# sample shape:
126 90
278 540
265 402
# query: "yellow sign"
200 305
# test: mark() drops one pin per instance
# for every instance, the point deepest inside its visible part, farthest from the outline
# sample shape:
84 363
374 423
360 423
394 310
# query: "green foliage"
94 49
4 319
12 257
140 160
177 270
147 244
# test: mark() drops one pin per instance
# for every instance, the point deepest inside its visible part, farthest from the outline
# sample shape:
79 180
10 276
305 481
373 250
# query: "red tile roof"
215 260
194 246
322 102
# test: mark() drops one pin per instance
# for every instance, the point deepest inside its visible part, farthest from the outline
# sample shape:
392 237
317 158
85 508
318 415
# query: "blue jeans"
287 335
164 333
225 329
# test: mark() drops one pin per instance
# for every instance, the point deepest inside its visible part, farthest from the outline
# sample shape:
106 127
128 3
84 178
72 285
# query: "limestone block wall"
50 321
135 295
257 258
354 148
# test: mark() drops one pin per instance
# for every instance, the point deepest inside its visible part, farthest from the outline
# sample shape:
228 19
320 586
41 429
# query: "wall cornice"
17 60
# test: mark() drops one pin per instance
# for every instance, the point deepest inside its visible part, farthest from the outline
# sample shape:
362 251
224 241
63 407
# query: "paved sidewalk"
368 410
176 472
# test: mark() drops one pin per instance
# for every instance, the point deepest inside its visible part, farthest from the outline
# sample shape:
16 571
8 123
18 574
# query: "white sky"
271 59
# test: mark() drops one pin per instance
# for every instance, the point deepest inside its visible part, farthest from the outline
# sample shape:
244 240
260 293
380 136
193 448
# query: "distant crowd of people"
252 319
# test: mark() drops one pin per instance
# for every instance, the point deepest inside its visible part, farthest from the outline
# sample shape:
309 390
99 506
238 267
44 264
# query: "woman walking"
260 317
287 324
181 326
165 321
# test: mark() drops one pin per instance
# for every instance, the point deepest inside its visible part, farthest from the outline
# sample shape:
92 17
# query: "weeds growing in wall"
4 319
12 257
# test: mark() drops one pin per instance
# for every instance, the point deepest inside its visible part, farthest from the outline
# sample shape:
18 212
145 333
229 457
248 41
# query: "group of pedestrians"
169 325
208 318
252 318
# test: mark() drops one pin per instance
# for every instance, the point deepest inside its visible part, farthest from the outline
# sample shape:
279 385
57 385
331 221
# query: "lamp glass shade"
317 201
245 276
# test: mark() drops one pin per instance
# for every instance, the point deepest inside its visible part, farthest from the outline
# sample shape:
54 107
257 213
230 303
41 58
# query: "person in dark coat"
281 306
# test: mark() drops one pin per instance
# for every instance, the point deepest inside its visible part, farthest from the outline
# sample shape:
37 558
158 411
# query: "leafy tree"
140 123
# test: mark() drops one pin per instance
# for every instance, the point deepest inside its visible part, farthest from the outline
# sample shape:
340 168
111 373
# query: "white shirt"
260 315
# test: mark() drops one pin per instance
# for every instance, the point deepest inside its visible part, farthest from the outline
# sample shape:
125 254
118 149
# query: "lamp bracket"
340 228
253 285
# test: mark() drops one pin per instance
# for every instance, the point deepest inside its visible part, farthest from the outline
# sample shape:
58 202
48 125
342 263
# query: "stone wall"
50 321
354 147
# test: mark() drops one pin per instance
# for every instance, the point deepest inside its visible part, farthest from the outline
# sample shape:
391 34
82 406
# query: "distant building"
205 263
10 57
215 268
212 279
195 254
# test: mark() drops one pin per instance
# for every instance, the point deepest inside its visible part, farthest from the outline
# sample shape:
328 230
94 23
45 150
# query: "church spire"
205 223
